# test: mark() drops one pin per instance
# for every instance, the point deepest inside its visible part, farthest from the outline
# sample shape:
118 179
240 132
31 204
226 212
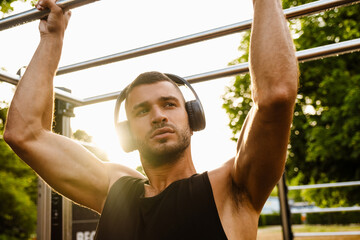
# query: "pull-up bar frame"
34 14
303 56
290 13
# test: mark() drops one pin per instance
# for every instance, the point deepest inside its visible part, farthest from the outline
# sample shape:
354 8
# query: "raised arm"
66 166
262 145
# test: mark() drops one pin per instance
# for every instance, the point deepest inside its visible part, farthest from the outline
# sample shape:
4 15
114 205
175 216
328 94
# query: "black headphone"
194 110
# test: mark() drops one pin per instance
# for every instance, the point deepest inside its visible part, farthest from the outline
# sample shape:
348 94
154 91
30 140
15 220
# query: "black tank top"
184 210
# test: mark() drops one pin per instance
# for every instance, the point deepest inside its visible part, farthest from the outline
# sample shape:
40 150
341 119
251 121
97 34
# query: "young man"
175 202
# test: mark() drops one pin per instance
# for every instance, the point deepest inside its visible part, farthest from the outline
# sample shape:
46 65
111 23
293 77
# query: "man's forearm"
31 109
32 105
273 64
36 85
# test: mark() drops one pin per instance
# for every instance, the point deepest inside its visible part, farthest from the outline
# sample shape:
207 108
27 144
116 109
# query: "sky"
111 26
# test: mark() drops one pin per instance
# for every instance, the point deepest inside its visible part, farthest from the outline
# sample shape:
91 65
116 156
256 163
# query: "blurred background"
325 135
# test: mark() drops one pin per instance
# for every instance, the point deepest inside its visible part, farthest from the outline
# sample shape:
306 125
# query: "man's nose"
158 116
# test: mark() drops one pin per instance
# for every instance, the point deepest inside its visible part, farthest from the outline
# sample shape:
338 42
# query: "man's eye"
170 104
141 112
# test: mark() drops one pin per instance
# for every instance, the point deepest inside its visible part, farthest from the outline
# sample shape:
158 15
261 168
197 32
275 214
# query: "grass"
275 232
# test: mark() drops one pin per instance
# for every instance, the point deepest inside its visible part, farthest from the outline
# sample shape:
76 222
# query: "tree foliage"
5 5
18 187
82 136
325 135
18 192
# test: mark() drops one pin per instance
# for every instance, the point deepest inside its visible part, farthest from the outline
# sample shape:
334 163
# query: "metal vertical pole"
285 210
43 211
66 203
54 211
61 212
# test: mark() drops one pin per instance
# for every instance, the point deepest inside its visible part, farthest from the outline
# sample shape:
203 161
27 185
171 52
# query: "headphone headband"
180 80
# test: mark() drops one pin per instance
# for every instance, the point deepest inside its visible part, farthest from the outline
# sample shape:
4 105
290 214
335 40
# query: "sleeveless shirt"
184 210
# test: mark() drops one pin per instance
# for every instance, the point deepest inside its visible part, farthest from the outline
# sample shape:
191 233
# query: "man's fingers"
39 7
51 4
56 21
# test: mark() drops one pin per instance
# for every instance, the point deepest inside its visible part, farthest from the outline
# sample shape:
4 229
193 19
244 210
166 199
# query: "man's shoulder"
224 188
232 201
221 176
116 171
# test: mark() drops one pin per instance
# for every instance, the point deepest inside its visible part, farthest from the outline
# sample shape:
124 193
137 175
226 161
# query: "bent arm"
66 166
262 145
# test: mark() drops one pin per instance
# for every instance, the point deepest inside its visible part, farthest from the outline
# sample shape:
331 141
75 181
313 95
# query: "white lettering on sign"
85 235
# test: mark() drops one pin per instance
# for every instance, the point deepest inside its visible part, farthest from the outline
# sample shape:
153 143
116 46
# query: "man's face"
158 121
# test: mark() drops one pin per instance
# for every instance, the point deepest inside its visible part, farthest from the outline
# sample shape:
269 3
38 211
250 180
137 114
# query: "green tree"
18 191
81 135
325 135
141 170
5 5
18 185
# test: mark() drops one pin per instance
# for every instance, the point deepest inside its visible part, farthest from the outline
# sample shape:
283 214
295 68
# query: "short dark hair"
149 78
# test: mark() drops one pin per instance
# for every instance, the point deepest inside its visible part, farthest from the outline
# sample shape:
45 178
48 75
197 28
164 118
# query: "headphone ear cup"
125 136
196 115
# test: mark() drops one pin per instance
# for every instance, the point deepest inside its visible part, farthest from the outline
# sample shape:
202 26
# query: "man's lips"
161 131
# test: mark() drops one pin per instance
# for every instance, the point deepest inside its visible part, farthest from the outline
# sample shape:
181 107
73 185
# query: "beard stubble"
163 153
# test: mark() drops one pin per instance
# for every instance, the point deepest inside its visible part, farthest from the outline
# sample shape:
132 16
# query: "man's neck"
162 176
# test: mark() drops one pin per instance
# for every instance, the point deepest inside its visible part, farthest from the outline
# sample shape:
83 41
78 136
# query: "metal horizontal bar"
325 185
305 55
325 210
157 47
328 50
34 14
290 13
101 98
229 71
6 77
327 234
59 94
315 7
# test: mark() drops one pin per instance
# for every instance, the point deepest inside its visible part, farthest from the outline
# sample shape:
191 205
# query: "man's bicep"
261 153
67 167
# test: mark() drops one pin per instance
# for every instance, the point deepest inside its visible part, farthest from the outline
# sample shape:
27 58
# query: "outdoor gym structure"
57 217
